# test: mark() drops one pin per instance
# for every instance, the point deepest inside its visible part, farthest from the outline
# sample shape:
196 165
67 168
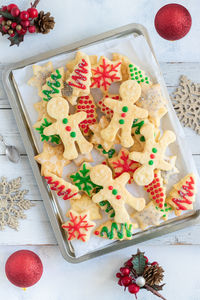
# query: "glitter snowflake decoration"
12 203
186 102
105 73
79 226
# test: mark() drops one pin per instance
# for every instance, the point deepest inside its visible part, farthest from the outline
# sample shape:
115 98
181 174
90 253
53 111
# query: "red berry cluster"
19 21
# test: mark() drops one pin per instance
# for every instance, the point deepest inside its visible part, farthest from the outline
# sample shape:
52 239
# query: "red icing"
80 77
118 197
123 115
156 193
104 108
185 192
68 128
110 187
60 190
152 156
96 232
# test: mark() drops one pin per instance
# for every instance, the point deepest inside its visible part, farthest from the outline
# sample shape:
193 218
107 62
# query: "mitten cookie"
105 73
114 192
40 74
122 163
79 79
79 226
182 195
105 109
87 104
115 231
67 127
124 113
51 159
153 155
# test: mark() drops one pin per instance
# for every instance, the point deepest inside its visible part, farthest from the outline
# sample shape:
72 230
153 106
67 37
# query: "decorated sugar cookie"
63 189
83 181
104 73
79 226
40 74
79 80
87 104
108 154
53 85
114 192
182 195
40 126
71 64
122 163
41 108
85 203
51 159
115 231
83 158
124 113
107 207
105 109
165 210
153 155
167 174
67 127
148 216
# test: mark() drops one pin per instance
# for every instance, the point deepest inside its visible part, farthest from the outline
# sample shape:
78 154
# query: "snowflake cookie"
124 113
153 155
114 192
115 231
79 226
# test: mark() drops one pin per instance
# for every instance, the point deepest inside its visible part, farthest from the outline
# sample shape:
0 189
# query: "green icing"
138 125
49 138
121 229
109 153
164 210
108 208
134 75
53 86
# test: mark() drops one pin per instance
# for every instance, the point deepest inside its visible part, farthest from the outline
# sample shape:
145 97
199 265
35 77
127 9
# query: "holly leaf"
16 39
7 15
1 30
139 262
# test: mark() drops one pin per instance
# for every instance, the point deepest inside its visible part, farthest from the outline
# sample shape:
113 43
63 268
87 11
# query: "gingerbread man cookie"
153 155
67 127
124 113
114 192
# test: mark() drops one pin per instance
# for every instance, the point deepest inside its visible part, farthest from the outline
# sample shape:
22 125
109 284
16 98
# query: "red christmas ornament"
25 24
125 271
15 12
173 21
133 288
33 13
24 268
24 15
32 29
126 280
11 6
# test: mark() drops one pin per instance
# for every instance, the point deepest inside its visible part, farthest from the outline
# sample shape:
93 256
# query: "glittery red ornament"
173 21
24 268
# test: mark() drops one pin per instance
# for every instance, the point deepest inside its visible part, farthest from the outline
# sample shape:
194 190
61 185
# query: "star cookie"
40 74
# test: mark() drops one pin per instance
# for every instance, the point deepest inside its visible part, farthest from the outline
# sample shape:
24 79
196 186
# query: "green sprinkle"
138 81
131 70
125 108
150 162
130 66
154 150
132 75
136 73
146 78
142 139
121 121
135 69
140 75
114 192
65 121
142 80
136 77
73 134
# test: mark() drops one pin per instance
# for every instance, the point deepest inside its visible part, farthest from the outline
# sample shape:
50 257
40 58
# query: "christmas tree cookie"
182 195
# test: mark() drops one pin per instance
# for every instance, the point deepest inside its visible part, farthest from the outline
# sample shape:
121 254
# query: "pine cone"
44 23
153 275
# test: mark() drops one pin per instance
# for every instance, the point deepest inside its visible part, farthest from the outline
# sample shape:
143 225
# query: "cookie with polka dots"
105 109
87 104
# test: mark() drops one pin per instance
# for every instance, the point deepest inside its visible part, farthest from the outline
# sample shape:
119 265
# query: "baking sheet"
137 49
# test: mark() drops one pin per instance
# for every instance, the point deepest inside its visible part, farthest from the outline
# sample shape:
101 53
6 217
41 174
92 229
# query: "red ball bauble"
118 275
15 12
154 263
125 271
31 29
133 288
4 8
173 21
11 6
25 24
24 268
22 31
13 25
24 15
126 280
33 13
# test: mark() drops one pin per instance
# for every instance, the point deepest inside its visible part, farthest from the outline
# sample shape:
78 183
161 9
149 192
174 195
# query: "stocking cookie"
79 226
115 231
114 192
67 127
40 74
105 73
63 189
51 159
122 163
182 195
87 104
79 79
124 113
105 109
149 216
153 155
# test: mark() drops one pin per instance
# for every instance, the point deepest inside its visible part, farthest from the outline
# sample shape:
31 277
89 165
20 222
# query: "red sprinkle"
110 187
118 197
68 128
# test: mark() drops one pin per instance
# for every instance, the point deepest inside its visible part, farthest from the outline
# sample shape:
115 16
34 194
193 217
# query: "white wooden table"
178 253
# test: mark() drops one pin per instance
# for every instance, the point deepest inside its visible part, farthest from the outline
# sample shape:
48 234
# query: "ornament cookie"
105 109
40 74
124 113
79 79
63 189
85 203
83 181
114 192
153 155
182 195
115 231
148 216
122 163
87 104
51 159
104 73
53 85
67 127
79 226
